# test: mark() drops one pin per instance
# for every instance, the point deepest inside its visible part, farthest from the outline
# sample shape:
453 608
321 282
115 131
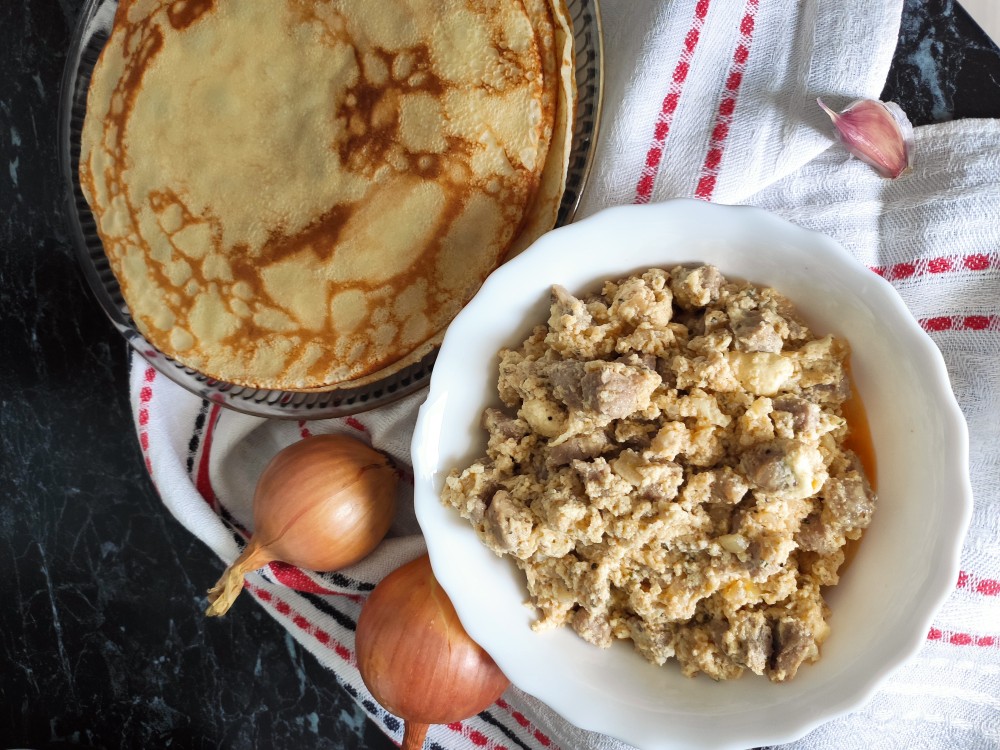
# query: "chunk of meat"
666 372
497 423
765 555
849 502
805 414
612 389
789 469
565 377
567 311
816 536
826 394
847 505
754 333
695 287
572 330
593 628
793 644
728 487
747 640
471 491
715 486
656 643
578 448
598 479
510 524
595 474
605 489
767 466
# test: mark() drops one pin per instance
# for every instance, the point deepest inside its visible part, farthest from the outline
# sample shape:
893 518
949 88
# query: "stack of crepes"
716 100
302 195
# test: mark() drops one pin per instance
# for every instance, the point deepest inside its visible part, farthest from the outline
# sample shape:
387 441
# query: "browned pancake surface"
295 194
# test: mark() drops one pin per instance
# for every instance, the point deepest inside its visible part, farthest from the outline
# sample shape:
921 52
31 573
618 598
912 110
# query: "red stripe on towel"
961 323
204 481
524 723
297 579
961 639
944 264
475 736
984 586
355 425
727 106
145 397
654 156
303 624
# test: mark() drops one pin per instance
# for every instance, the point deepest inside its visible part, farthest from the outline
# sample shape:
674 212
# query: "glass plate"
89 38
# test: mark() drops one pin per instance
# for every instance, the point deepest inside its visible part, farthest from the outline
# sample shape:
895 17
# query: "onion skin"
416 658
322 503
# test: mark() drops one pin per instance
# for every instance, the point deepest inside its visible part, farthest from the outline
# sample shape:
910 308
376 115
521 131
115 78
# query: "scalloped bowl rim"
614 691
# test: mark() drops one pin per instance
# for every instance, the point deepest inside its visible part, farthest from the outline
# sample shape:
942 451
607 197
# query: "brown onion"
322 503
416 658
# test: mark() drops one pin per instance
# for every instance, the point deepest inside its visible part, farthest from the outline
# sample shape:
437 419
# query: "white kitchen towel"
935 235
717 98
713 99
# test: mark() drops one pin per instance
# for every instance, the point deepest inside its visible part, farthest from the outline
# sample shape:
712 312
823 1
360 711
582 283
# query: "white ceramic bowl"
904 568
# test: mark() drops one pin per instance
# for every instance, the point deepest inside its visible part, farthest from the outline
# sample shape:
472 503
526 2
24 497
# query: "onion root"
222 595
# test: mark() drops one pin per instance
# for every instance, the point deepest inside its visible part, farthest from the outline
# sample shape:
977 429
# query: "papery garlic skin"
877 133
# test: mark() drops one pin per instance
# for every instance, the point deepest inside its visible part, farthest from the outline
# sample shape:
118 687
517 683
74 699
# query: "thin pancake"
298 193
545 204
540 14
556 42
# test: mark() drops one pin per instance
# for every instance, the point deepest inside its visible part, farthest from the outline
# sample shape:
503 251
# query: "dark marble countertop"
102 640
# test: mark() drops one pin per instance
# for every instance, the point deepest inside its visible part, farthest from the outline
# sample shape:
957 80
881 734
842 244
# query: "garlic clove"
877 133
